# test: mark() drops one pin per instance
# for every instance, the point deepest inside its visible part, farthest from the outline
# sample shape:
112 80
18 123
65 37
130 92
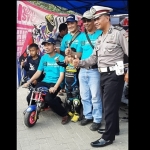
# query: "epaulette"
118 28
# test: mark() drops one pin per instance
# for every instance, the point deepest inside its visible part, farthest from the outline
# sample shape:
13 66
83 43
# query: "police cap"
97 11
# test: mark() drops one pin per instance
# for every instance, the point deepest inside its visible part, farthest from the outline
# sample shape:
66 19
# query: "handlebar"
29 87
39 89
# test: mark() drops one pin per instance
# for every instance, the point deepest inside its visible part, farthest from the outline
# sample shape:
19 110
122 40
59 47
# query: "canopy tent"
80 6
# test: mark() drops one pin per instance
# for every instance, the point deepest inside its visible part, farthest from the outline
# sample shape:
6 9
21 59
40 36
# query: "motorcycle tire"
29 118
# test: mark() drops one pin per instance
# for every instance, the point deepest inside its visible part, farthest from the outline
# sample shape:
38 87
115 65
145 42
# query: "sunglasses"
86 20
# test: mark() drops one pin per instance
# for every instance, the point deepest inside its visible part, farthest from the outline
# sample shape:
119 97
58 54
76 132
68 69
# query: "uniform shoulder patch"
118 28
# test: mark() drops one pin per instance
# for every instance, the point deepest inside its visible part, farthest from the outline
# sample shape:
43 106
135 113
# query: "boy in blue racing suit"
73 102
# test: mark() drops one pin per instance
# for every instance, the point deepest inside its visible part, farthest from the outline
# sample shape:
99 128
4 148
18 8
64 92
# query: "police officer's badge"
93 10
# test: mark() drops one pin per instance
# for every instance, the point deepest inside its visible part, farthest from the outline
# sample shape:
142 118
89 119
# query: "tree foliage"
51 7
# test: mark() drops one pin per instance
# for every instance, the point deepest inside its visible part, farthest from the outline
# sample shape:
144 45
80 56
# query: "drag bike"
32 112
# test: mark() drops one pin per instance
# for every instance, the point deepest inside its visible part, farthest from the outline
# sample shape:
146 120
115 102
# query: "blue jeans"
89 81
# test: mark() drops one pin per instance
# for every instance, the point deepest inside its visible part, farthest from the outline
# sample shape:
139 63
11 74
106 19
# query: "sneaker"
65 119
75 117
70 114
95 126
86 121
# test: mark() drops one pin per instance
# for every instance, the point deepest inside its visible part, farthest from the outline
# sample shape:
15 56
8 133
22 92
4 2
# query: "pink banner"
35 24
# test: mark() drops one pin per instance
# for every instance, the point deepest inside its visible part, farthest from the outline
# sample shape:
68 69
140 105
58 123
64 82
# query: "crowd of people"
91 61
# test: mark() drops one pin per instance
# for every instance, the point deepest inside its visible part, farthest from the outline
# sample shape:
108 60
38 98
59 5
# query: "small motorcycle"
32 112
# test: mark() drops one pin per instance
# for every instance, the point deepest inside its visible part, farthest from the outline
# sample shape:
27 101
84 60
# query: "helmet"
76 102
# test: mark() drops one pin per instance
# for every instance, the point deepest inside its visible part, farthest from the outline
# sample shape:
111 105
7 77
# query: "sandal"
65 119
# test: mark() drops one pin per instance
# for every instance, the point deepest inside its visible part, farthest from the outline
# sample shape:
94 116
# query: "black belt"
92 67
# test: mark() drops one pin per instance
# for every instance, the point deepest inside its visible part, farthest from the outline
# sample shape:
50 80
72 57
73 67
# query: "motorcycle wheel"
30 119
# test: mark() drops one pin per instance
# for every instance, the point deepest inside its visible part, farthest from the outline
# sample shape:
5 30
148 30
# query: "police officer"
108 53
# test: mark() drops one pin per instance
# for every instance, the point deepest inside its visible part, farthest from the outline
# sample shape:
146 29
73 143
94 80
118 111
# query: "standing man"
54 75
72 24
108 54
63 30
89 77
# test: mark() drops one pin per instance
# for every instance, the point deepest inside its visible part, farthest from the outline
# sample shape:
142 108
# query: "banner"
35 24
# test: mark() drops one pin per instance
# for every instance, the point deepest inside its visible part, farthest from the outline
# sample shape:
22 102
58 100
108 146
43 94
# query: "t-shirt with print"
66 40
51 68
84 46
31 66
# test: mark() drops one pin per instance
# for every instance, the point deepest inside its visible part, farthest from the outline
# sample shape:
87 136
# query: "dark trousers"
111 88
51 99
70 90
77 109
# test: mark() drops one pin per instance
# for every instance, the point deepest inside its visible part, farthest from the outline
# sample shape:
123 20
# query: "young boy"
73 102
31 65
32 62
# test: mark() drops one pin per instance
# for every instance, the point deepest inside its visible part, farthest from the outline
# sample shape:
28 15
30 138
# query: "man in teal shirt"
54 75
73 29
72 25
89 78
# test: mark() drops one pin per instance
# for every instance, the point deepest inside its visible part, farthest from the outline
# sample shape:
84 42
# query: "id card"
119 68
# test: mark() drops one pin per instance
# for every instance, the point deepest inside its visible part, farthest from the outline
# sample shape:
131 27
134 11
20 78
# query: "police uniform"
109 49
